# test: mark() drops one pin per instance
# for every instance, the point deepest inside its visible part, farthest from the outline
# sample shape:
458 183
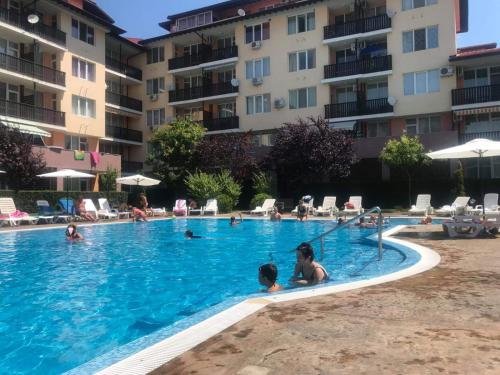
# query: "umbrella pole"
482 185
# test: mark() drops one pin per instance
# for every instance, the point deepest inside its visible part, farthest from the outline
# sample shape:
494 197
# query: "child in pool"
189 235
235 222
268 274
72 234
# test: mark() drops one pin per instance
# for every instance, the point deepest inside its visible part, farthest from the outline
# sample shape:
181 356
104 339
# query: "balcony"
123 101
19 20
131 166
471 96
123 68
32 113
205 58
335 72
223 123
205 91
361 26
124 133
31 69
491 135
358 109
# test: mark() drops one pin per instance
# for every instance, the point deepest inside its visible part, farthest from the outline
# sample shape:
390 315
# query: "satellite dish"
33 18
235 82
391 13
392 100
241 12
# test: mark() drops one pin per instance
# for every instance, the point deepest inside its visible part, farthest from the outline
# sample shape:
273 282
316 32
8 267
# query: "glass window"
292 62
311 21
420 42
421 83
258 68
293 99
434 83
258 104
302 98
302 60
292 25
257 33
408 41
432 37
301 23
74 28
411 127
156 55
409 84
250 105
82 31
249 70
435 122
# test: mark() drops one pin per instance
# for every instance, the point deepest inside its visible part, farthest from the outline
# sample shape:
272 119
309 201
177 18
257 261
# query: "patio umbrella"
67 174
477 148
3 172
137 180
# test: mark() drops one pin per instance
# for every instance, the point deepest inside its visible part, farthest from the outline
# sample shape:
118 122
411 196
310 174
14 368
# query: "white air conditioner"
153 97
447 71
279 103
257 81
257 44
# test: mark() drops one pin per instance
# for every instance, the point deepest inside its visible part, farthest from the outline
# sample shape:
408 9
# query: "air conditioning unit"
279 103
257 81
153 97
257 44
447 71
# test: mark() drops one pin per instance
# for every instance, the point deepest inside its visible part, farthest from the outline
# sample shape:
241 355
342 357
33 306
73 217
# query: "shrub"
258 199
262 183
202 186
228 186
225 203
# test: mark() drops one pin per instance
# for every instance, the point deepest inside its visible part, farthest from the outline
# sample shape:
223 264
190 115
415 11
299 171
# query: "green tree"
108 180
173 148
262 183
406 155
202 186
229 186
458 177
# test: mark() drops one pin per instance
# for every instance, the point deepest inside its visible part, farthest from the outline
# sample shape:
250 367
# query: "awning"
346 125
26 129
477 111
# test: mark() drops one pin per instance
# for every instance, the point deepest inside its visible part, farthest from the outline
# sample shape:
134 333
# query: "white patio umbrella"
3 172
477 148
67 174
137 180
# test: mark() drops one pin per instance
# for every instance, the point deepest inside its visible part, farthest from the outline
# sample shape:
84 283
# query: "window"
301 23
378 129
412 4
194 21
72 142
226 110
83 69
194 81
423 125
345 55
257 32
82 31
481 77
302 60
226 76
258 68
376 90
302 98
225 42
421 82
155 86
156 55
83 106
345 94
258 104
116 120
155 117
420 39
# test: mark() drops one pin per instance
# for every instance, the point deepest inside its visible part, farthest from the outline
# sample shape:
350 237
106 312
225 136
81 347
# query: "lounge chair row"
180 208
460 205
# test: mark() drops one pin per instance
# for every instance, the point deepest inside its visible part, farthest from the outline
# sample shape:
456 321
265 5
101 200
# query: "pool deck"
444 321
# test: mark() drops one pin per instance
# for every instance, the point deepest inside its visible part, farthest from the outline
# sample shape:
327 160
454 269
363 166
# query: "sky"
141 17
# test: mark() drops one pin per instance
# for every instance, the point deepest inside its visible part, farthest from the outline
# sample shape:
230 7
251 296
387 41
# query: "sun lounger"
423 206
180 208
211 207
328 207
105 208
11 215
464 226
159 211
265 209
48 214
490 206
92 210
309 205
356 203
459 203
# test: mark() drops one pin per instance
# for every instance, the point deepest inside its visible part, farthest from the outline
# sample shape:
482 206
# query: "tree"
18 159
407 155
108 180
227 152
310 149
458 179
173 149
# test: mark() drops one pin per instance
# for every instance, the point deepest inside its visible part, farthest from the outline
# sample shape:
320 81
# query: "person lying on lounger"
307 270
72 234
268 274
189 235
81 211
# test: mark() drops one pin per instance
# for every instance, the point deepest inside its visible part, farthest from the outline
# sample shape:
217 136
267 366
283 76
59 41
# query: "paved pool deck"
444 321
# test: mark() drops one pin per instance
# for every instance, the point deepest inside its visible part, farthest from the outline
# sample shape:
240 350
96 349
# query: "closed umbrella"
477 148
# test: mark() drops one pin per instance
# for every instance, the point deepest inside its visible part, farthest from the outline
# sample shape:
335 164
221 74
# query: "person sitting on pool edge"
189 235
268 274
310 271
72 234
427 220
234 222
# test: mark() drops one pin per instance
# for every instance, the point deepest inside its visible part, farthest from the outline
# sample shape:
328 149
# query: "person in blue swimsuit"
307 270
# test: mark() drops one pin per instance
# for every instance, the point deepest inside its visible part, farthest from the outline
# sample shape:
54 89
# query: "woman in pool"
72 234
268 274
143 205
307 271
275 215
233 222
301 211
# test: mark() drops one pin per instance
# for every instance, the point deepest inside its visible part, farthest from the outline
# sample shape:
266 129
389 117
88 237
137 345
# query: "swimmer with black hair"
72 234
307 270
189 235
268 274
234 222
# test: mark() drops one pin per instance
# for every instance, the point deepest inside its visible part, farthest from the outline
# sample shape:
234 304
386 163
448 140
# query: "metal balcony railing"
365 66
123 101
29 68
199 92
476 95
32 113
124 133
222 123
206 54
358 108
363 25
123 68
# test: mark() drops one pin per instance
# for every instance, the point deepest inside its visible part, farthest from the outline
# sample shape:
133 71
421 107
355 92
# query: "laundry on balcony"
95 158
79 155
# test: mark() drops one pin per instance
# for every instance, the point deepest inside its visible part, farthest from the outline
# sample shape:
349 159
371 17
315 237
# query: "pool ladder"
321 238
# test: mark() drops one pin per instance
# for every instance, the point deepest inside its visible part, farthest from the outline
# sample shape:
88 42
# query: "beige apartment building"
379 67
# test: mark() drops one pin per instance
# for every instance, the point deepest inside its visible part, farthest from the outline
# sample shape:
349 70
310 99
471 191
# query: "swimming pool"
65 304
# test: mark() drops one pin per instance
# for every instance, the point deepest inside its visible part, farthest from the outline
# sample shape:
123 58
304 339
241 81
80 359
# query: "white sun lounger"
106 208
464 226
309 206
356 201
452 210
47 213
91 209
491 207
265 209
328 207
8 213
211 207
423 206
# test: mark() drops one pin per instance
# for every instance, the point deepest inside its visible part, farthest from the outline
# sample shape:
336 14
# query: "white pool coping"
162 352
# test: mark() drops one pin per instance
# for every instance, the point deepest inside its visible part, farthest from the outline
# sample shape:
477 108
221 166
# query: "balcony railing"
123 101
124 133
14 18
207 54
29 68
131 166
199 92
491 135
365 66
364 25
476 95
123 68
358 108
31 113
222 123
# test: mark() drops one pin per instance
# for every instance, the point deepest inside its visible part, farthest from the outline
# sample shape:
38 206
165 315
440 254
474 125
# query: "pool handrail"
321 237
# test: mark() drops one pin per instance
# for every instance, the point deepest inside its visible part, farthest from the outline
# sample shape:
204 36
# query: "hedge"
26 200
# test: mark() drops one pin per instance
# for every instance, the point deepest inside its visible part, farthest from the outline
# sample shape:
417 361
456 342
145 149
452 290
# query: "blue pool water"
64 304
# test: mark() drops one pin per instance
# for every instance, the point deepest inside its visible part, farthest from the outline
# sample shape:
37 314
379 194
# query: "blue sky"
142 19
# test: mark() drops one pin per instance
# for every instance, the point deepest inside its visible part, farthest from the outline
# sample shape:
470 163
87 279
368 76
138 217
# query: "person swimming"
234 222
189 235
310 271
268 274
72 234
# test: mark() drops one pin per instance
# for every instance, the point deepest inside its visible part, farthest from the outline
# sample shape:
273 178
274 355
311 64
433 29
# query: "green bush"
26 200
228 186
225 203
202 186
258 199
262 183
